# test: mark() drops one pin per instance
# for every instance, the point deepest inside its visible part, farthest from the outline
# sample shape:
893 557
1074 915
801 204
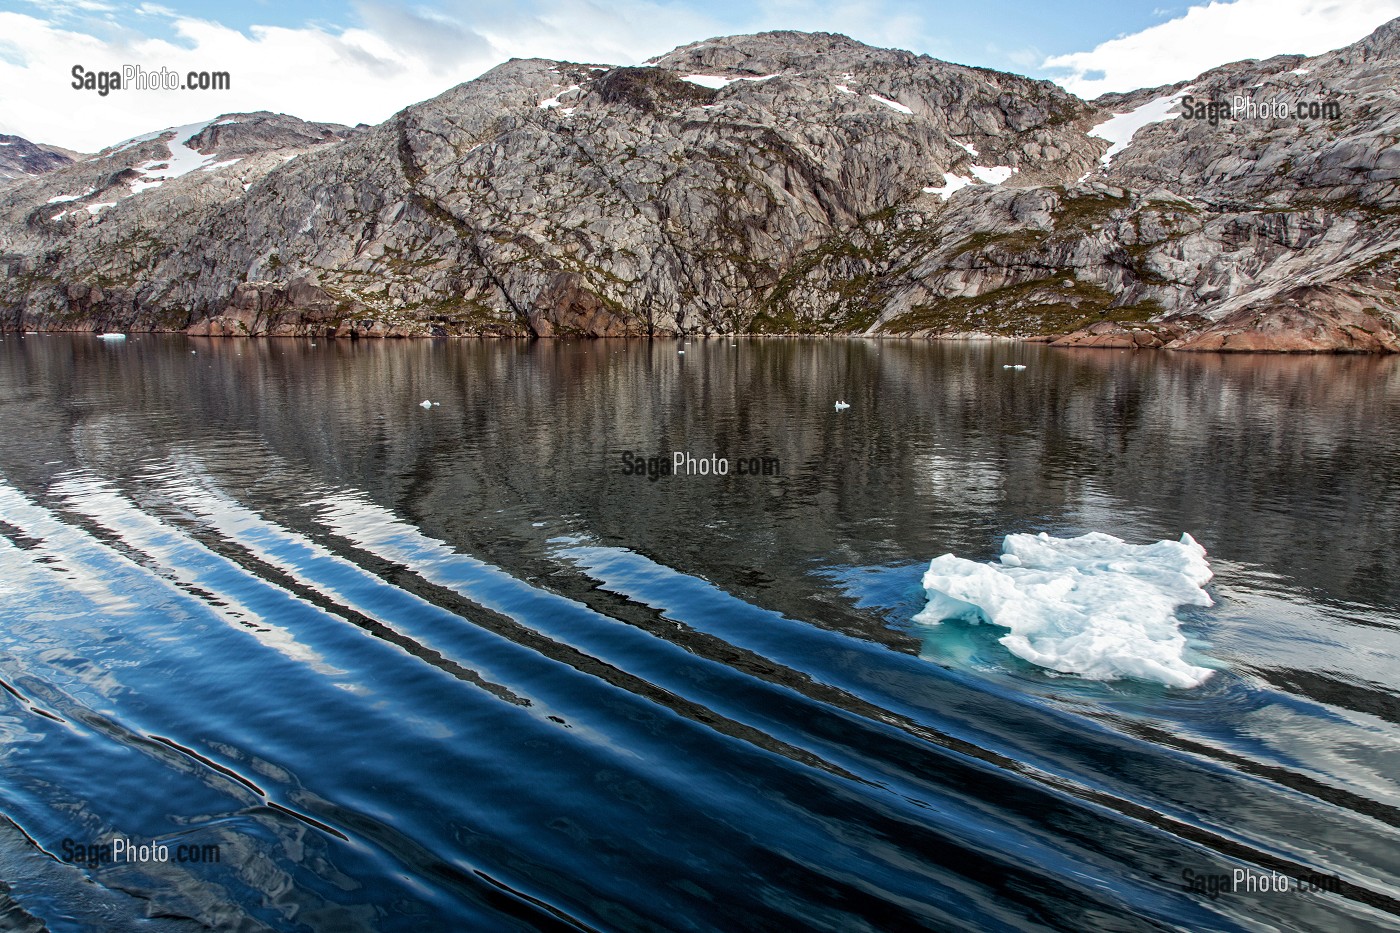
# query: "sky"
355 61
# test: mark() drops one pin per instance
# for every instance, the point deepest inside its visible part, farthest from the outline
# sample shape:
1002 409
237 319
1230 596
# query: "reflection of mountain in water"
1284 462
450 668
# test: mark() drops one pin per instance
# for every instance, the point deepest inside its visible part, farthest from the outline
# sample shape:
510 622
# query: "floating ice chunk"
1119 128
892 104
111 336
425 404
1092 605
1014 366
951 184
842 406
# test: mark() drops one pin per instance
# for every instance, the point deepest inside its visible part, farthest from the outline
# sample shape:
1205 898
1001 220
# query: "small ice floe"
425 404
842 406
1094 605
111 336
681 352
1014 366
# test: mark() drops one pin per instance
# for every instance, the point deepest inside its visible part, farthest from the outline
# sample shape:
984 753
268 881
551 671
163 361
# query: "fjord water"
450 668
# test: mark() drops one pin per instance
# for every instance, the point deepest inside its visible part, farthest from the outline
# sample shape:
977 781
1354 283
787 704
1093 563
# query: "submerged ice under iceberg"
1092 605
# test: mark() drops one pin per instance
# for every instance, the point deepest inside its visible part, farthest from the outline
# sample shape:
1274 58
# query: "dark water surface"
450 669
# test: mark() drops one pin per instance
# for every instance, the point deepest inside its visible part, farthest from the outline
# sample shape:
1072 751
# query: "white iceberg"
1094 605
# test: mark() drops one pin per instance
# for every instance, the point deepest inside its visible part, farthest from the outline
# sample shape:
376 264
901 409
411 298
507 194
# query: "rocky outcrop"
1113 335
1302 320
567 306
778 183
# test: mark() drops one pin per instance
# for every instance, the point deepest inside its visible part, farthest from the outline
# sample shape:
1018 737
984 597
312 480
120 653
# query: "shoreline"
1054 341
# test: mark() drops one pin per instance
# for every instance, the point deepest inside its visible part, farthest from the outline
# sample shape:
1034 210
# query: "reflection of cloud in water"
961 480
894 592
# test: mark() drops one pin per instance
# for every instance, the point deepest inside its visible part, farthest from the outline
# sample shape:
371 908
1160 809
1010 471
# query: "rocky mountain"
19 158
784 182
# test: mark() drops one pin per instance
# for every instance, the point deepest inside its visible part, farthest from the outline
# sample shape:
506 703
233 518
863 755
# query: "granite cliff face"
783 182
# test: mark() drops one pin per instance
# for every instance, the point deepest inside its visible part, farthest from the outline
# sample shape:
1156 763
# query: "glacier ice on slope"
1092 605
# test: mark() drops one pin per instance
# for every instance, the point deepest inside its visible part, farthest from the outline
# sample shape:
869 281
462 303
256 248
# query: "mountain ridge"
776 183
20 158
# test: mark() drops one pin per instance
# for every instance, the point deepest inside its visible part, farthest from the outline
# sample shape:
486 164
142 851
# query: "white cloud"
400 54
344 76
1216 34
